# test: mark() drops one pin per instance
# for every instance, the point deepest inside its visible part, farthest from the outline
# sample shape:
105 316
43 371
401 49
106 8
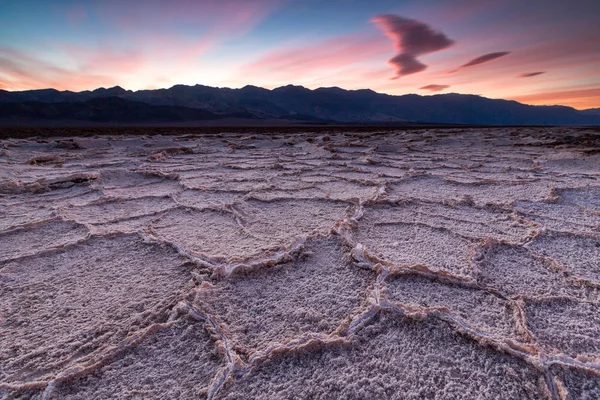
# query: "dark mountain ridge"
109 109
287 102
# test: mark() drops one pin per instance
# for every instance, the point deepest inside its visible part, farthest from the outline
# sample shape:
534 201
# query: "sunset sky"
533 51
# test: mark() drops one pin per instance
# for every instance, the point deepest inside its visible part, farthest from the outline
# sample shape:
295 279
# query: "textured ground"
438 264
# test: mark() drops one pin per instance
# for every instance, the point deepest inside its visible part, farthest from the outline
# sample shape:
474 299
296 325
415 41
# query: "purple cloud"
485 58
435 88
406 64
531 74
411 38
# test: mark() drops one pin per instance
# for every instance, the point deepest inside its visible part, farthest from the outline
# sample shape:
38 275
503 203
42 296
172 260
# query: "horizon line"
300 86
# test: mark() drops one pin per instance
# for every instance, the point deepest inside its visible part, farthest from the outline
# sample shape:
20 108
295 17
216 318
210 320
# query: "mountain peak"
331 88
252 87
291 87
113 91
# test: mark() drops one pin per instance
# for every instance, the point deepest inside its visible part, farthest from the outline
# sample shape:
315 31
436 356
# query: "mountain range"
294 104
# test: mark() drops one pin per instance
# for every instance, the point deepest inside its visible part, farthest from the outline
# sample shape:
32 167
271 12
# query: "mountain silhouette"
182 103
108 110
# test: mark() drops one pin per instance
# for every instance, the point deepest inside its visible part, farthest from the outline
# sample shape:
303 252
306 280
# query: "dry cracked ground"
437 264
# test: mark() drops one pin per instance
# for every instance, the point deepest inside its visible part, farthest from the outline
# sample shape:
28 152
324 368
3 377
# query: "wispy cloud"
531 74
152 40
485 58
25 71
435 88
295 63
411 38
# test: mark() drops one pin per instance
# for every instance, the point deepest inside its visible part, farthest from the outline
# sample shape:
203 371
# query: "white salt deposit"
440 264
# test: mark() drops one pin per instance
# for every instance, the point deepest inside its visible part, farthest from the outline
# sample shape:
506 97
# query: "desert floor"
437 264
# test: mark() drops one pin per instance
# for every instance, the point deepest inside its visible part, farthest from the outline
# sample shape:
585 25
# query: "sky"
533 51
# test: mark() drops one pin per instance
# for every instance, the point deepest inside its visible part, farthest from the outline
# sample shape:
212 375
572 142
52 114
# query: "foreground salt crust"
442 264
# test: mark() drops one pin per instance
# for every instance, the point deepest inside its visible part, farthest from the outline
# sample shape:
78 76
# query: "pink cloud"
105 59
531 74
411 38
167 48
19 67
435 88
159 40
485 58
82 67
303 60
481 60
22 71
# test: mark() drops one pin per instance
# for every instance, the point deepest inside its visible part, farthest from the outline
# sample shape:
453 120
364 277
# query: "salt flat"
434 263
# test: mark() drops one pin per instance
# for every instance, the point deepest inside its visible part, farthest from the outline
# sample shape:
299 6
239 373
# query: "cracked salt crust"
442 264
